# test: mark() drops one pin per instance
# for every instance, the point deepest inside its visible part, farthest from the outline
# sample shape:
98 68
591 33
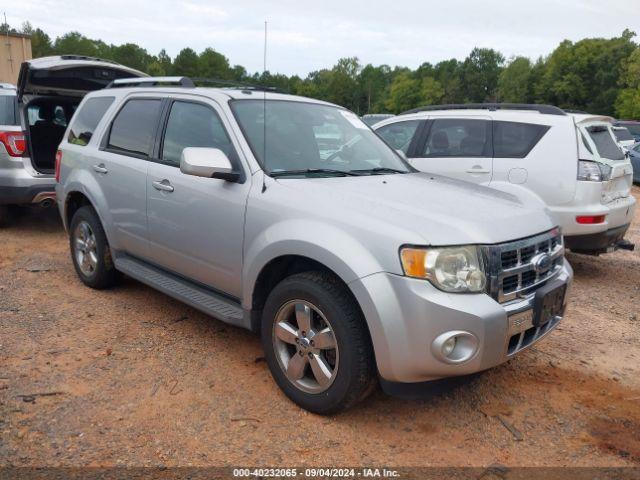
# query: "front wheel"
317 344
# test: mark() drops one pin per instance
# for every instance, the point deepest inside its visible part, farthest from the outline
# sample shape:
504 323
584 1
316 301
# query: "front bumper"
406 315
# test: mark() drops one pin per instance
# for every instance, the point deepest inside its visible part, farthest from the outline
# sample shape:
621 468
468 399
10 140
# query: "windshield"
634 128
311 139
622 134
605 144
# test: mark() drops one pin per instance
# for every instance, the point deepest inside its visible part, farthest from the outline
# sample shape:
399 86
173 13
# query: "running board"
181 289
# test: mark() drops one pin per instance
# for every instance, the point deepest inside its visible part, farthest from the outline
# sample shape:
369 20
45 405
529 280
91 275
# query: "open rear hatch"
50 89
69 75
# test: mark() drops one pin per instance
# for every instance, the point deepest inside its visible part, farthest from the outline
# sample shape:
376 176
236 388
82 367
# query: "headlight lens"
452 269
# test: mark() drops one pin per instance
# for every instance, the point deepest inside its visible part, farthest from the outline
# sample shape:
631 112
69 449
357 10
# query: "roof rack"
151 82
238 85
547 109
571 110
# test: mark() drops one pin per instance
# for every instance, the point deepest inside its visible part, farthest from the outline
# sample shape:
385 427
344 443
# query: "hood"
439 210
69 75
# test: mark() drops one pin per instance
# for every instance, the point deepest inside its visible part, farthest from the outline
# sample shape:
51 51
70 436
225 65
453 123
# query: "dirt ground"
131 377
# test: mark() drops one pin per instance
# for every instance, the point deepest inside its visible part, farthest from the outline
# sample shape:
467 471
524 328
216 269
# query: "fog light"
448 346
456 346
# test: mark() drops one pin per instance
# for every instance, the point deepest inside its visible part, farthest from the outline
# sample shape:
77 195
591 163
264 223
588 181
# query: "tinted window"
458 137
622 134
8 110
515 140
399 135
193 125
87 119
634 128
134 127
606 146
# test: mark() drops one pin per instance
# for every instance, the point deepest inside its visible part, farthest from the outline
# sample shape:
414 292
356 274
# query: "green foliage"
514 83
595 74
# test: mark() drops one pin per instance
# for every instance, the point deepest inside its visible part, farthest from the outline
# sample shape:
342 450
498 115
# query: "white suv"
570 162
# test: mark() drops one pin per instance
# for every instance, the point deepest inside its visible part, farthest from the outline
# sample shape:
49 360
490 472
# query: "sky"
304 36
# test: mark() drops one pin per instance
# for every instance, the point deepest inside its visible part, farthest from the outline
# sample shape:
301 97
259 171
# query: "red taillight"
58 162
590 219
14 142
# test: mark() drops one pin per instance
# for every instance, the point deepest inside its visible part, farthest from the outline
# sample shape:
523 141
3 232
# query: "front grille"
517 269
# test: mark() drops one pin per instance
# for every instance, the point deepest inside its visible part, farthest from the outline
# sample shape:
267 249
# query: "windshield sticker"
354 120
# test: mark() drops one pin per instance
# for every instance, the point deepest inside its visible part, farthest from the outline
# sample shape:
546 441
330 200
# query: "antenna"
264 112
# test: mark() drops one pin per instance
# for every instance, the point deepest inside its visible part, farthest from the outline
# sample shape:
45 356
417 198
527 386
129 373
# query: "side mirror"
208 163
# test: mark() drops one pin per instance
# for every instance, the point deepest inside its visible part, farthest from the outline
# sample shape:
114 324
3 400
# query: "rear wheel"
90 250
316 343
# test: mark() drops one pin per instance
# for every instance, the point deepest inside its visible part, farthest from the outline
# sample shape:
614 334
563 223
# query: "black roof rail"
571 110
151 82
547 109
238 85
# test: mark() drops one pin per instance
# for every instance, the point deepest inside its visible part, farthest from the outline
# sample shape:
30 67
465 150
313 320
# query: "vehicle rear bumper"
406 317
18 186
596 242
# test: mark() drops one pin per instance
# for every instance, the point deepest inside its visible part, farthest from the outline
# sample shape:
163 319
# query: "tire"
5 216
97 252
327 301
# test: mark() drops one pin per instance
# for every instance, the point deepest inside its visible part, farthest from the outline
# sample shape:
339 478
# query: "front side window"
134 127
515 139
605 144
313 139
458 137
193 125
399 135
87 119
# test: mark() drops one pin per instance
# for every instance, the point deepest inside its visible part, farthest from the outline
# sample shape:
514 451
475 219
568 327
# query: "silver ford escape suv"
33 118
290 217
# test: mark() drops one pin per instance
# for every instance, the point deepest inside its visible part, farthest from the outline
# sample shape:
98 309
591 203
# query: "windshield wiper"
380 170
306 171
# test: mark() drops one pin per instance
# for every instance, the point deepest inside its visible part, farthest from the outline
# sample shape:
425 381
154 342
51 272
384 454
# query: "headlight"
452 269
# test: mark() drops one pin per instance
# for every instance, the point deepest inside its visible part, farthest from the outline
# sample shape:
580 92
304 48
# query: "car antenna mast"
264 112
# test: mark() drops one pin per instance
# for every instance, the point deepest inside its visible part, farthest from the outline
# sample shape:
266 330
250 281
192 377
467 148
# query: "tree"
432 91
132 56
514 81
74 43
373 82
479 74
627 103
212 64
186 63
405 93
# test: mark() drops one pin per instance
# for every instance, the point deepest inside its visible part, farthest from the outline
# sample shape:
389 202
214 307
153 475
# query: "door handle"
478 169
163 185
100 168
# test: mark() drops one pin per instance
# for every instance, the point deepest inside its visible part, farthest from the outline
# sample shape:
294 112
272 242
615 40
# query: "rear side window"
193 125
605 144
133 130
458 137
9 110
86 120
399 135
514 139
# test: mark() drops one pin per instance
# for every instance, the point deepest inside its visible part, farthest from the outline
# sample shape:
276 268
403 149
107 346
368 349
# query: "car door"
196 225
120 167
458 147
